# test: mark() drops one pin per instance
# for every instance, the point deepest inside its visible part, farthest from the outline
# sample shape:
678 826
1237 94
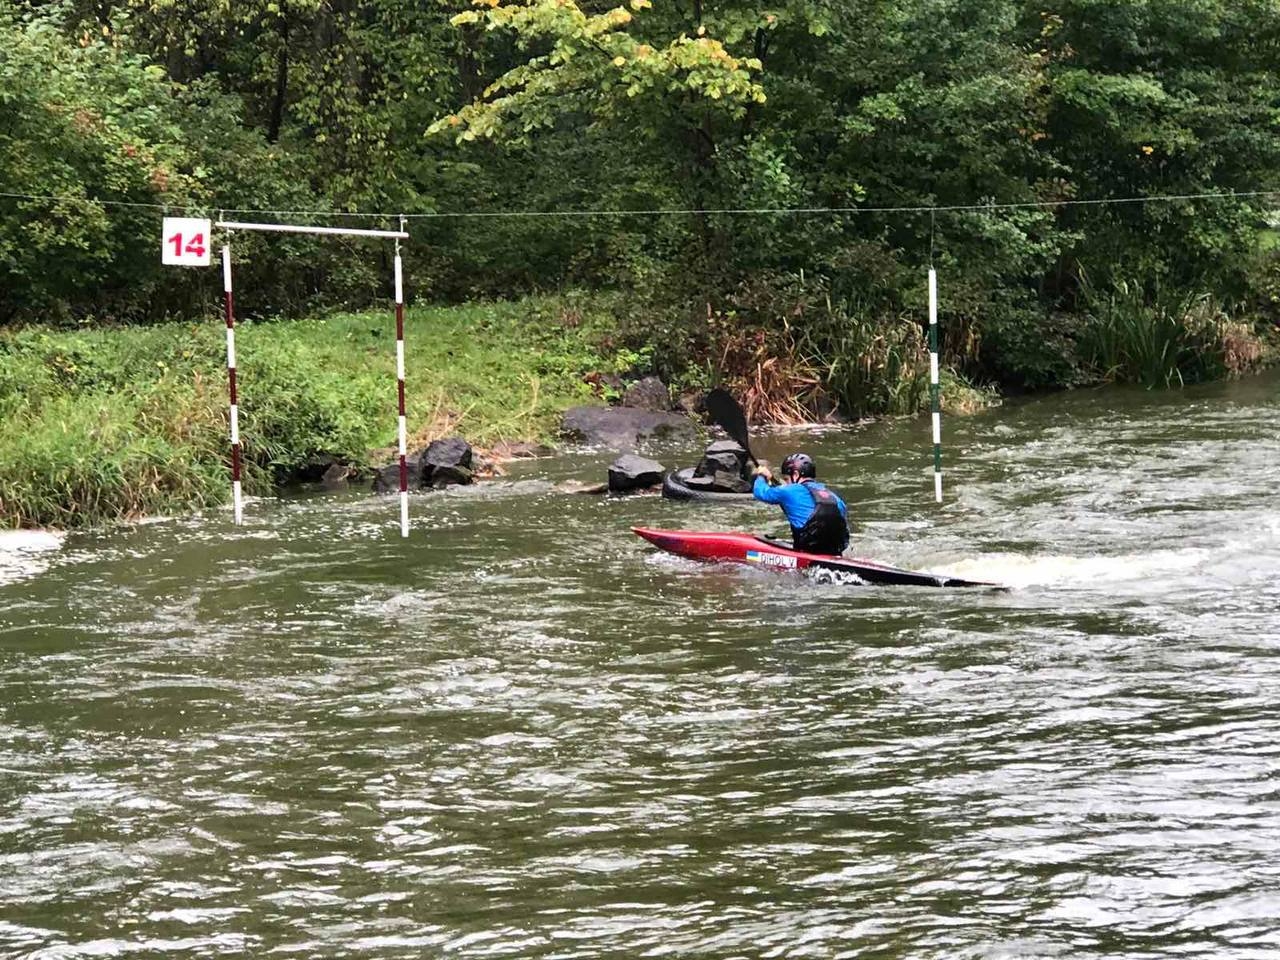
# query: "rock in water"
630 472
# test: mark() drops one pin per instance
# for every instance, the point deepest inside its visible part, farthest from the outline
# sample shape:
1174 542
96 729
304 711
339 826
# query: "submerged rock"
386 479
580 486
519 450
623 428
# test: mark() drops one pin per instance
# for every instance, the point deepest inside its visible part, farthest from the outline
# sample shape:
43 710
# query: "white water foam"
27 553
1019 571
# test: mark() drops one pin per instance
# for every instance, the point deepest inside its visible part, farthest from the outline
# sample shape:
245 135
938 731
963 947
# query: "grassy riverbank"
114 423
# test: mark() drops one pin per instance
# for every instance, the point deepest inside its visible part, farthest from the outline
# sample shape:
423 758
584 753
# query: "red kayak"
761 552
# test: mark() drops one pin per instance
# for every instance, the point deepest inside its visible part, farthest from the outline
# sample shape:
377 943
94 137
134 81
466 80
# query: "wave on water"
26 553
1055 570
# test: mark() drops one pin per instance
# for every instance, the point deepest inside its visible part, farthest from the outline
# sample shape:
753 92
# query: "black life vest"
826 531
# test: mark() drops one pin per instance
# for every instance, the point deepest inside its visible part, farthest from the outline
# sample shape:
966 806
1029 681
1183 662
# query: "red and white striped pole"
232 225
404 465
231 381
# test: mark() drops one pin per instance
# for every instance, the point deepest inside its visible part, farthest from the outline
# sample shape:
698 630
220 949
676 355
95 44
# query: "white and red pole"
404 465
397 235
231 382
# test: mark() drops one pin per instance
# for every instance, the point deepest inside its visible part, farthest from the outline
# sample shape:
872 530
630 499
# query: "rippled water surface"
524 733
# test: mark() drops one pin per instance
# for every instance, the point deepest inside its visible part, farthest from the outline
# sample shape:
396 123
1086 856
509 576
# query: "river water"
524 733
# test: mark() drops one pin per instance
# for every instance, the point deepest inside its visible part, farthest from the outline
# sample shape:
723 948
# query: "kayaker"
818 517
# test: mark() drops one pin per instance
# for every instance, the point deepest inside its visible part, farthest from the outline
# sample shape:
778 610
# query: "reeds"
774 381
110 457
1161 338
872 365
818 357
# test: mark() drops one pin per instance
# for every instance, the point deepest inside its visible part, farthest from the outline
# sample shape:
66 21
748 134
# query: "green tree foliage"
95 144
85 121
593 66
980 125
1163 98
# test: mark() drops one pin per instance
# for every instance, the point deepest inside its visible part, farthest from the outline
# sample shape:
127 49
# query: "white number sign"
186 242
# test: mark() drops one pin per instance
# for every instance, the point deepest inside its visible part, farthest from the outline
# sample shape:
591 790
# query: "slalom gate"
230 227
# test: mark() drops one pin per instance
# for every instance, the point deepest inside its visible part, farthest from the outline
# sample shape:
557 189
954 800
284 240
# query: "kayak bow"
762 552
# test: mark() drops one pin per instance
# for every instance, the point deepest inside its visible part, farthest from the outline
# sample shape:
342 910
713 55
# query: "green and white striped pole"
935 399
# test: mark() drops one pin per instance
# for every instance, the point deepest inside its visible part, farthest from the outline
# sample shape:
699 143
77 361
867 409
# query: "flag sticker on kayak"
771 559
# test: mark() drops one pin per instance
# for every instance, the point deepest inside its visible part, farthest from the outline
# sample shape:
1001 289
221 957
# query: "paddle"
726 411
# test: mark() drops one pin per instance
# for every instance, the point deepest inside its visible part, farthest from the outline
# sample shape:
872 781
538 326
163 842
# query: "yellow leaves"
473 16
1148 150
594 51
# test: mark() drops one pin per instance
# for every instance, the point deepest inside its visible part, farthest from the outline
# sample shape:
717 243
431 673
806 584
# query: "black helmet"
800 463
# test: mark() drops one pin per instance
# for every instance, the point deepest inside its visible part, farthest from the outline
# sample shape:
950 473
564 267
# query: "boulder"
386 479
722 456
623 428
724 482
630 472
724 464
649 393
442 463
446 462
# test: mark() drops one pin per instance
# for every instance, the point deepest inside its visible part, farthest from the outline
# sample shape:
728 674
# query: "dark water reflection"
524 733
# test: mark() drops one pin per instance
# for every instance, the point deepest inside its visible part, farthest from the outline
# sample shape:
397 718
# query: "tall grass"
1161 338
797 355
871 364
111 424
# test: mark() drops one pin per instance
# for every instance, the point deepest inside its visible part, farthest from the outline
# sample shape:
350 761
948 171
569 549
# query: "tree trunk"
276 119
469 79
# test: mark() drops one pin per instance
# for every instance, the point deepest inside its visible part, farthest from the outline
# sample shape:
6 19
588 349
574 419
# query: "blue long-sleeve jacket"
794 499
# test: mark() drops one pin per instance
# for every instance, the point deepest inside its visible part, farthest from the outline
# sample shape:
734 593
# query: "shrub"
1163 338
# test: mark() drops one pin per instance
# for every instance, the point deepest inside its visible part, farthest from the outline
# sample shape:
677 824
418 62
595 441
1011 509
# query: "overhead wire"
661 211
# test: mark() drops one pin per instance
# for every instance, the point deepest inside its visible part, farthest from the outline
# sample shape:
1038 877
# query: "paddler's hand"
762 470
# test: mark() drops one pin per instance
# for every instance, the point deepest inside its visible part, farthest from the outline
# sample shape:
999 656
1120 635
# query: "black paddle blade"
726 411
